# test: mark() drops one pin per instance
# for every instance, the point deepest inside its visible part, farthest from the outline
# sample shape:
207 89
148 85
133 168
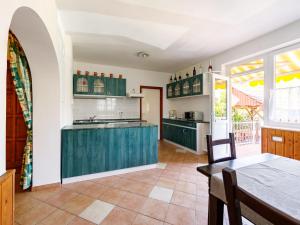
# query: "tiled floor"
175 193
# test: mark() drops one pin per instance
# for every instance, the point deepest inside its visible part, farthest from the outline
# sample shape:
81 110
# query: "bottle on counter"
200 70
175 78
179 77
194 71
171 79
210 67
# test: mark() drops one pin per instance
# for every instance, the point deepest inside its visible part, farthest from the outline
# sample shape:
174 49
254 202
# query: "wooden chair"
235 195
211 144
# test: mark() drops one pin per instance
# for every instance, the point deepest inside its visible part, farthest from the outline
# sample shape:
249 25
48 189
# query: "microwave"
193 115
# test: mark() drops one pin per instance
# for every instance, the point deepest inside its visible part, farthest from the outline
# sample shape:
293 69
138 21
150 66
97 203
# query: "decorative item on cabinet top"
190 86
98 86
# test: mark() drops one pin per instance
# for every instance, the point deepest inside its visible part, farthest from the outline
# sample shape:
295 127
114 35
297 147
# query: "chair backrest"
235 195
211 144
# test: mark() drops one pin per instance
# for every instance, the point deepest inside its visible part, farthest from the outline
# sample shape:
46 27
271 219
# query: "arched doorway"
36 41
16 130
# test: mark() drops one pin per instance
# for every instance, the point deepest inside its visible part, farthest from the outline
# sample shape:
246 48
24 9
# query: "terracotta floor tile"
58 217
166 182
36 214
187 187
107 181
171 174
140 188
155 209
62 197
94 190
132 201
124 184
78 186
201 218
202 203
153 172
45 194
112 195
188 178
145 220
119 216
79 221
77 204
184 199
179 215
148 179
24 205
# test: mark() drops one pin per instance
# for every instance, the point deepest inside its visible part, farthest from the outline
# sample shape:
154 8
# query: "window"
285 97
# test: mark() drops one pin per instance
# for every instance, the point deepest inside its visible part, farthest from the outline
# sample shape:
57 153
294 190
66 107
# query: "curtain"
285 105
22 81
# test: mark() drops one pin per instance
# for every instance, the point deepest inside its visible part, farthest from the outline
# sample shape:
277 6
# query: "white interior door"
220 116
151 107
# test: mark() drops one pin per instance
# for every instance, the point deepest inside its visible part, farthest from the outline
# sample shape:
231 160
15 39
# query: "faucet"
92 118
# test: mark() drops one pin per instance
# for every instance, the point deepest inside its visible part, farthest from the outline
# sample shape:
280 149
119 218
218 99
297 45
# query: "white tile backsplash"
109 108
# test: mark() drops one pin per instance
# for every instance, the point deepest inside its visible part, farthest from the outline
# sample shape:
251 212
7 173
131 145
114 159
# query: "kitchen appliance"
193 115
172 114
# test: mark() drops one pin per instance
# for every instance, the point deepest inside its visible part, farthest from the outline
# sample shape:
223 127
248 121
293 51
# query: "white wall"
195 103
49 108
135 78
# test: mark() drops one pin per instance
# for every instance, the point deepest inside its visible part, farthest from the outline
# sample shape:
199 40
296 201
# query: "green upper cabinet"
92 85
177 89
186 87
170 90
115 87
98 85
111 86
121 87
81 85
197 85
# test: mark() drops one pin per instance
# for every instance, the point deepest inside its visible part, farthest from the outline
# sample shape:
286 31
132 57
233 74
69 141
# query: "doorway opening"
247 106
151 106
18 115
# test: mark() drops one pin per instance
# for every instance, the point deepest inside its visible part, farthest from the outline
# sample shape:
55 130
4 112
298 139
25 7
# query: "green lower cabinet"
88 151
184 136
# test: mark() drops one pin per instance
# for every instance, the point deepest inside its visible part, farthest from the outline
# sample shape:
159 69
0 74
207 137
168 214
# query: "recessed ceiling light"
142 54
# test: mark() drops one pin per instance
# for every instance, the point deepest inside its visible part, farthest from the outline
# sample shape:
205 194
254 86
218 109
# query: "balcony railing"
247 132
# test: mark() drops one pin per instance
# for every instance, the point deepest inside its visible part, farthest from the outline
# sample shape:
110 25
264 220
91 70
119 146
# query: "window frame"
269 79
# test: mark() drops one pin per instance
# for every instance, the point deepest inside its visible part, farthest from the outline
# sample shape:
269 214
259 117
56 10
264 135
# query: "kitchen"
115 110
112 115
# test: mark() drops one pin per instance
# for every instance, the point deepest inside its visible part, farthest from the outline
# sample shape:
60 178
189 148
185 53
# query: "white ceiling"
176 33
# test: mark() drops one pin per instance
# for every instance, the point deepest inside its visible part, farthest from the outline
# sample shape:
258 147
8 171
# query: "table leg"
215 211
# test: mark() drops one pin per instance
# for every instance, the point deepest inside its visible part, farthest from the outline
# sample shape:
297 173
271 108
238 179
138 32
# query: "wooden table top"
209 170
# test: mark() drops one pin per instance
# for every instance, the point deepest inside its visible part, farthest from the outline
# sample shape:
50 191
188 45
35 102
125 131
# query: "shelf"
81 96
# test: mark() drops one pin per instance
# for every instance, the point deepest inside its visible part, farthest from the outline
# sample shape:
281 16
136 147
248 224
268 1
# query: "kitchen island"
91 149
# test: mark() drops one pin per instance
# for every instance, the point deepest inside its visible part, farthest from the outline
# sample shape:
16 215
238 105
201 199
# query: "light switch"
277 139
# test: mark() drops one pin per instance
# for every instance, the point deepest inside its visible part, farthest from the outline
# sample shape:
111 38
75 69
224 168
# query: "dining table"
273 179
